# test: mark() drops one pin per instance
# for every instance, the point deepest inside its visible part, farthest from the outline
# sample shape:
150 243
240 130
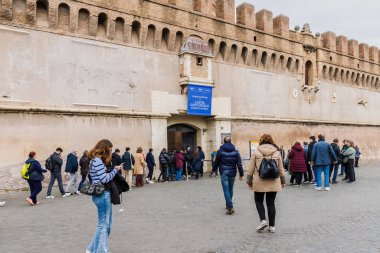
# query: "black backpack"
269 168
49 164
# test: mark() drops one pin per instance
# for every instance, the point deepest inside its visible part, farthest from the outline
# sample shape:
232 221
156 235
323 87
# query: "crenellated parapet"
251 39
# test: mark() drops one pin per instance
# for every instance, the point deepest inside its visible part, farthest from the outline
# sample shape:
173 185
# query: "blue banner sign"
199 100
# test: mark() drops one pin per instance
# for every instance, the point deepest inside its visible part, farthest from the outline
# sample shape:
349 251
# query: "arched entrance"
181 136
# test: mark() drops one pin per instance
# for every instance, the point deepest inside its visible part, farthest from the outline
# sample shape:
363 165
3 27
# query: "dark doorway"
181 136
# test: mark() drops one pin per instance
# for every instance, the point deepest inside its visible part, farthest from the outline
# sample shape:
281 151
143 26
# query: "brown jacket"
265 185
139 164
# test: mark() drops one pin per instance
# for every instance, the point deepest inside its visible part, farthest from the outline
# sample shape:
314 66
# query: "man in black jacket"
56 173
228 161
308 160
72 169
116 159
129 162
151 163
335 167
164 162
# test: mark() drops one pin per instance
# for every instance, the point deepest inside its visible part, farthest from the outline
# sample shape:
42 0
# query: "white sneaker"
78 192
87 251
66 194
272 229
151 182
263 225
50 197
327 189
318 188
2 203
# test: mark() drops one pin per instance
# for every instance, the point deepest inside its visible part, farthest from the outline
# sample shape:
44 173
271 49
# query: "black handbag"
93 189
269 168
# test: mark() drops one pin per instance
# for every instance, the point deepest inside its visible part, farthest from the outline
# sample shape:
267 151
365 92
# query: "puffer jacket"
297 159
228 161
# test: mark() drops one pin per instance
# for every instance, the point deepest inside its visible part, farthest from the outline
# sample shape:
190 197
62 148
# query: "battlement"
254 39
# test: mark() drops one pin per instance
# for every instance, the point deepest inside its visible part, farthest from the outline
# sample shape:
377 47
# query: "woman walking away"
269 187
197 164
297 162
35 178
179 161
349 161
84 164
100 155
139 167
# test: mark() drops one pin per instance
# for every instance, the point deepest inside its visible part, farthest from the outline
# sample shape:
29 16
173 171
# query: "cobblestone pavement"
189 217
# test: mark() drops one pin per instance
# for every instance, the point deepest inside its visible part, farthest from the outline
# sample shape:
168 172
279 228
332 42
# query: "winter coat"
164 158
336 149
140 164
35 170
150 160
84 164
323 154
357 153
228 161
201 155
310 150
71 163
116 187
197 164
128 160
297 159
349 153
265 185
116 159
179 160
57 162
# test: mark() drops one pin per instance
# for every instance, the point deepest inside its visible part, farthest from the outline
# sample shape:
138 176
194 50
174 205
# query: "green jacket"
349 153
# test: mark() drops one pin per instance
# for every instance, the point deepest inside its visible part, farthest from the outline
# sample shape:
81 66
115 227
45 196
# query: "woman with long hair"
139 167
100 156
349 161
269 187
35 178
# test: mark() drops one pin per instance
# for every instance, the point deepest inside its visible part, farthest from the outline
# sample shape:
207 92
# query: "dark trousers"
150 174
270 198
164 173
309 173
201 172
56 175
334 168
35 188
357 161
139 180
350 170
83 180
298 177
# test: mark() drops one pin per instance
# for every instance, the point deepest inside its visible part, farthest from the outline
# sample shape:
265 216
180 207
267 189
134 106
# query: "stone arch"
273 61
363 82
233 54
357 80
341 78
289 64
282 63
223 49
83 21
151 36
42 13
211 45
244 55
336 74
347 78
253 61
63 16
135 32
331 73
368 80
353 77
297 66
324 72
18 11
165 39
264 58
178 41
309 73
119 28
377 83
102 25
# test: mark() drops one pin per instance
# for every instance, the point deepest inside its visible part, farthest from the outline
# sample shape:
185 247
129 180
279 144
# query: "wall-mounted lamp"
204 130
362 102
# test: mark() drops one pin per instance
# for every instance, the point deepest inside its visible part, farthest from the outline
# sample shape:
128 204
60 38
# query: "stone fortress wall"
73 71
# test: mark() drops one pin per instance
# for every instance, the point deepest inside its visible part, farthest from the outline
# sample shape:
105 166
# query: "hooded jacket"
150 160
128 160
228 161
84 166
71 163
35 170
297 159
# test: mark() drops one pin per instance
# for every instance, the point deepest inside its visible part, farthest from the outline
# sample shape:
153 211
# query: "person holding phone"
100 156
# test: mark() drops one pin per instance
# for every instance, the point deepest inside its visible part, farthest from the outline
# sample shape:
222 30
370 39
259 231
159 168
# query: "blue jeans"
326 172
100 241
179 174
335 168
228 189
342 169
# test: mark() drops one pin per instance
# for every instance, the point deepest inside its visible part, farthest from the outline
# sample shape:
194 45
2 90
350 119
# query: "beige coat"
139 164
265 185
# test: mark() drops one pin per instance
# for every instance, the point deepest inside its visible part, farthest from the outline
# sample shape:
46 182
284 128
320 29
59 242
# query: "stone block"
245 15
341 44
281 26
374 54
353 48
329 40
264 21
364 51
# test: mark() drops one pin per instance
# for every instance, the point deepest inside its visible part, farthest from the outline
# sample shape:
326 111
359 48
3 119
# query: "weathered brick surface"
189 217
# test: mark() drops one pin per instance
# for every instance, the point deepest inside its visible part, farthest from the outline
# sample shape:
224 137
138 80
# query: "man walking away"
151 164
357 156
116 159
213 156
228 161
72 168
202 157
57 162
322 156
164 162
129 162
335 167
